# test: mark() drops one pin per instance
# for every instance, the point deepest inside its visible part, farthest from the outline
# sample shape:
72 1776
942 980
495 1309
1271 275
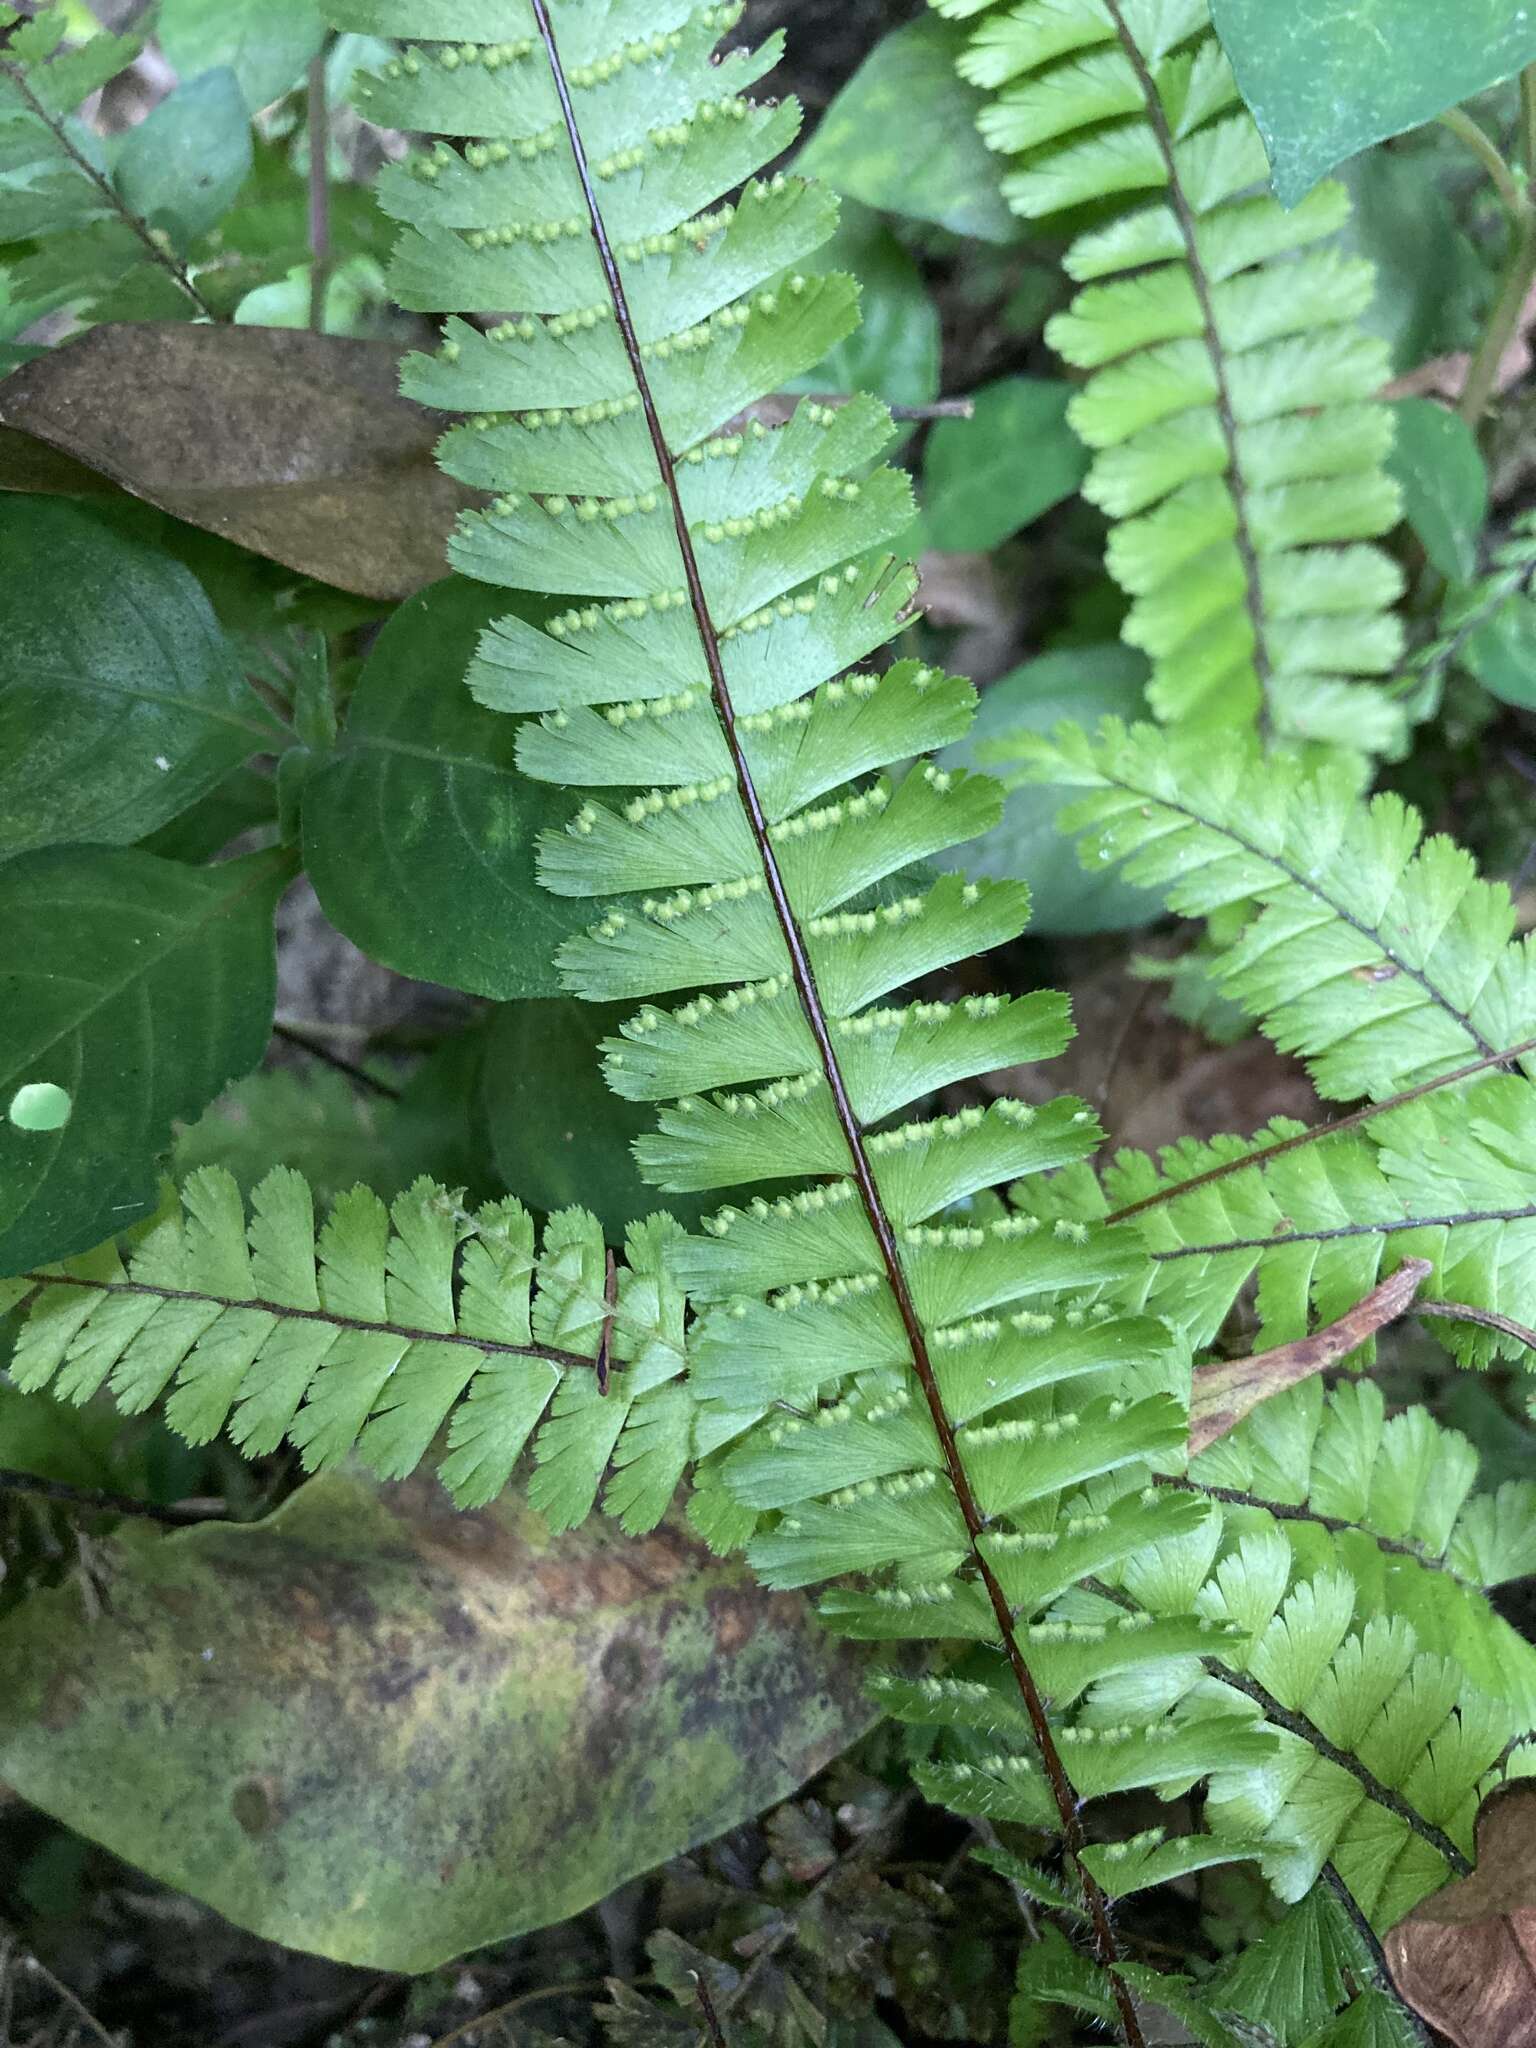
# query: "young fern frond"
1230 398
376 1332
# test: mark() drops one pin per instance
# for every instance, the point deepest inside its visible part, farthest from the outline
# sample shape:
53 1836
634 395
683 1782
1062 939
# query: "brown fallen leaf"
297 446
1465 1959
1224 1394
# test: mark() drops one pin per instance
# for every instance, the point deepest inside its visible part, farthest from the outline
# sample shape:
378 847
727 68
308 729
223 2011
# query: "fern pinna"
1230 397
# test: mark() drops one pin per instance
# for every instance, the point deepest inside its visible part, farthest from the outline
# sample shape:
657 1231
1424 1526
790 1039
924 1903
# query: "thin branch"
157 250
182 1516
1264 1154
319 122
500 2012
285 1313
1504 322
803 976
1487 152
1226 410
714 2032
939 409
72 1999
1489 1319
337 1060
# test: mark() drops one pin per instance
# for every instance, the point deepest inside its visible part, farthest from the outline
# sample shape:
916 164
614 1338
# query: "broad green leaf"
559 1136
1400 208
121 700
419 834
1083 684
182 166
895 350
1445 484
989 476
1325 81
139 988
865 145
1502 653
388 1732
266 43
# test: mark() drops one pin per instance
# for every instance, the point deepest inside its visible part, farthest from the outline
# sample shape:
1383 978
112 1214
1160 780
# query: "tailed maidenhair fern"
1229 398
381 1331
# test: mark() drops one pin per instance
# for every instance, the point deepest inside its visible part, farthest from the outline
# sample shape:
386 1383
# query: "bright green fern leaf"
378 1332
1230 397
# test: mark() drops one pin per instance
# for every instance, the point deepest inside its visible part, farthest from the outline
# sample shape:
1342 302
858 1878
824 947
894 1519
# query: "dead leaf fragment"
297 446
1466 1958
1224 1394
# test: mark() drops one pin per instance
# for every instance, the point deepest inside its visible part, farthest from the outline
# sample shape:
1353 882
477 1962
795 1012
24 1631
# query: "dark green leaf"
182 166
1445 484
377 1728
122 701
1083 684
266 43
559 1136
865 145
1502 653
296 446
1420 309
989 476
139 988
419 834
1326 81
1295 1977
894 352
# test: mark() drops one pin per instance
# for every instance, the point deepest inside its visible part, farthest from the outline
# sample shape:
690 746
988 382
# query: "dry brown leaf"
1224 1394
1466 1958
297 446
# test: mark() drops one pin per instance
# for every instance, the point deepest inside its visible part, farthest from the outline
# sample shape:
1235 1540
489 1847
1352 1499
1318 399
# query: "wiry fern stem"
76 1284
1066 1799
1456 1219
1296 1723
1265 1154
1178 200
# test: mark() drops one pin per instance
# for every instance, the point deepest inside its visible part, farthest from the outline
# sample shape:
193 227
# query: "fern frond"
1378 955
376 1332
745 833
1450 1178
1230 398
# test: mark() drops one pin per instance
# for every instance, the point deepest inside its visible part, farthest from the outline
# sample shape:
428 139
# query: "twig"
712 2027
93 1498
500 2012
156 249
604 1359
337 1060
1224 1394
1504 323
70 1998
319 191
1486 150
940 409
1462 1312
